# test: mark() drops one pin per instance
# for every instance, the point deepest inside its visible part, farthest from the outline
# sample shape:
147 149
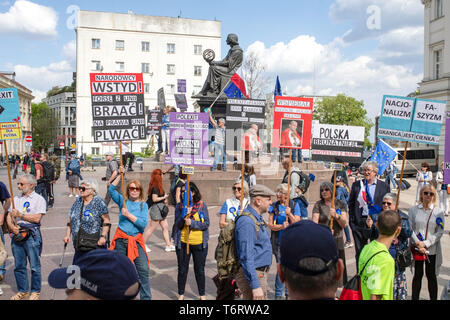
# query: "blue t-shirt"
165 122
91 220
4 193
280 218
137 209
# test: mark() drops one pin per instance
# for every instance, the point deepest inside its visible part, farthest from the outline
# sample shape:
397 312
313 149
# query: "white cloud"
364 78
41 79
29 19
70 51
371 18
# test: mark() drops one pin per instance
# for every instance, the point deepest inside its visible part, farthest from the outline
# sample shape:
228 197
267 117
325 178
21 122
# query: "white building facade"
436 79
7 80
64 108
164 49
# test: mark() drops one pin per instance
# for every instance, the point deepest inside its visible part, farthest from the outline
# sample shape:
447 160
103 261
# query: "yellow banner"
10 130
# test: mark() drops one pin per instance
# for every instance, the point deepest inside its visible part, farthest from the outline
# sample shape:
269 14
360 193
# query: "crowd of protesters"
314 268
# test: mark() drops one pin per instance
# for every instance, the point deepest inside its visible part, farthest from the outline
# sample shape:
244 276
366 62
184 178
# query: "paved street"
164 265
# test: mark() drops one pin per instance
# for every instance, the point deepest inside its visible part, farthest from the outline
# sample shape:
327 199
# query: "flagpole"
221 92
399 187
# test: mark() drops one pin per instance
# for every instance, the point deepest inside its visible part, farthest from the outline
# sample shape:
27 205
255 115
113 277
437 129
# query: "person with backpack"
376 263
298 178
128 238
41 185
191 238
281 215
253 247
325 211
49 178
302 203
399 249
73 175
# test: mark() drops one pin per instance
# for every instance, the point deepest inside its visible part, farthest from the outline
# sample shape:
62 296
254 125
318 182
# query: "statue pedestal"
219 108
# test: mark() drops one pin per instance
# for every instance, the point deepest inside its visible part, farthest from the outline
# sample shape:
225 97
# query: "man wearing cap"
253 245
309 263
98 275
112 170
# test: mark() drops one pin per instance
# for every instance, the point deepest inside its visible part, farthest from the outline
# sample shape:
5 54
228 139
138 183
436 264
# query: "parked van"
415 157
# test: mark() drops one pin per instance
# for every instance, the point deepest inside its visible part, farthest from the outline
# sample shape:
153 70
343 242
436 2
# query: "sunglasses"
428 193
322 190
83 188
236 188
387 203
134 189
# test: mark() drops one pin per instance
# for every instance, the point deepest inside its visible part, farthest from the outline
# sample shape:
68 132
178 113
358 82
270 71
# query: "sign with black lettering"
10 122
336 143
410 119
154 122
244 112
180 100
118 110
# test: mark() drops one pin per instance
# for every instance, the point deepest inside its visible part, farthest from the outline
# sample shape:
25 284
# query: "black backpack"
305 181
49 171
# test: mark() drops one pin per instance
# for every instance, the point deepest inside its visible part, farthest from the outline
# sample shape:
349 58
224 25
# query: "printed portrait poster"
292 122
10 122
189 139
118 110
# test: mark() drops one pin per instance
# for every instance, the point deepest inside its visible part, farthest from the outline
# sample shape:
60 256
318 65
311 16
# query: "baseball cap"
104 274
307 239
260 190
109 153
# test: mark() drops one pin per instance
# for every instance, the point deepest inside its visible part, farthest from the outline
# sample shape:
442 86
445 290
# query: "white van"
415 157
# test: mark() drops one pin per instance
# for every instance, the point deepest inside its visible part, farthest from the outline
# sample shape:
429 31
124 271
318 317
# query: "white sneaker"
70 195
1 291
147 249
170 248
76 196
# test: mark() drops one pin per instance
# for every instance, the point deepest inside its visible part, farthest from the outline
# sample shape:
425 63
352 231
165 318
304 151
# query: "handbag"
417 256
85 241
164 211
404 258
21 237
352 289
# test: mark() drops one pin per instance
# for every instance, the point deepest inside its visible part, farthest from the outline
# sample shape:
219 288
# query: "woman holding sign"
324 211
191 238
129 238
427 222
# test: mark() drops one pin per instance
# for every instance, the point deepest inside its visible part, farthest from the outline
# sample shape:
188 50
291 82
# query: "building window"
145 45
171 48
95 151
120 66
437 64
120 45
197 70
197 89
197 49
171 88
95 65
439 9
170 69
146 87
145 67
95 43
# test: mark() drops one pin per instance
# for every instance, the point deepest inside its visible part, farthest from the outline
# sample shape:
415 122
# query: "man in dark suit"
364 205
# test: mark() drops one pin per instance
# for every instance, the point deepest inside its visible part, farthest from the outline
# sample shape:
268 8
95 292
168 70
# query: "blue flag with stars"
383 155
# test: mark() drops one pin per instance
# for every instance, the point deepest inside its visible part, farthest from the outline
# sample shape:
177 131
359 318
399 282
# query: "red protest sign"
292 122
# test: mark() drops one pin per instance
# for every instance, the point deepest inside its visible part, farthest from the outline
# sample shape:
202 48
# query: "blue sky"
363 48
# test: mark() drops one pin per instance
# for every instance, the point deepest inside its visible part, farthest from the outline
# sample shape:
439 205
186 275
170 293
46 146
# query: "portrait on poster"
291 133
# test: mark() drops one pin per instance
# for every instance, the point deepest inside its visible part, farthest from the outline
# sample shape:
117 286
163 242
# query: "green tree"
44 124
344 110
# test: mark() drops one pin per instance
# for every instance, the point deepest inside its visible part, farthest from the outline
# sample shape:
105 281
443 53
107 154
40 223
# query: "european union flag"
186 195
383 155
277 91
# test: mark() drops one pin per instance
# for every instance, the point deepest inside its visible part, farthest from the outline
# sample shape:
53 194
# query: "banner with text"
410 119
292 122
335 143
447 150
10 123
118 110
154 122
189 139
